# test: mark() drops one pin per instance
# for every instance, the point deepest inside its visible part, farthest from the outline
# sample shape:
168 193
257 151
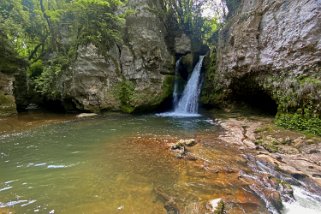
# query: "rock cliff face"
13 80
129 77
7 100
13 92
270 48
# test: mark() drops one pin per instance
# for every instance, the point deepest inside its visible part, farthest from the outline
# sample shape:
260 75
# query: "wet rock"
184 142
190 142
195 208
180 152
275 198
180 149
169 201
286 190
171 208
190 157
272 198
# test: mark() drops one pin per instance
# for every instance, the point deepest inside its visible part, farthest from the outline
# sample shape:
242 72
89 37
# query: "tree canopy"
189 15
36 27
47 33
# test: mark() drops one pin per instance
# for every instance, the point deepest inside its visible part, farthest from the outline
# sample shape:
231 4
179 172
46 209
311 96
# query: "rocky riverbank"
292 152
252 153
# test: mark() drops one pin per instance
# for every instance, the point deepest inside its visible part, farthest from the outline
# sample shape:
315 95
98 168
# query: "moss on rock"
7 105
124 91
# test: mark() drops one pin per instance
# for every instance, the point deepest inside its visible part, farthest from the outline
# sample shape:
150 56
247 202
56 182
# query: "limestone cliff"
7 100
130 76
270 48
13 80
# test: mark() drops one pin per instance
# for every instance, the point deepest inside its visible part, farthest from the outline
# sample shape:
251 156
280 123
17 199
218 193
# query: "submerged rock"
184 142
180 150
169 201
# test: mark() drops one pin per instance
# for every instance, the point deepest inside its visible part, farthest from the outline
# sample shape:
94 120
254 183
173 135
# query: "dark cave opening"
247 93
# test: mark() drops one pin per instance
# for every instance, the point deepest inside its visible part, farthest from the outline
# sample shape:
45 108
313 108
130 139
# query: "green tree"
189 16
48 33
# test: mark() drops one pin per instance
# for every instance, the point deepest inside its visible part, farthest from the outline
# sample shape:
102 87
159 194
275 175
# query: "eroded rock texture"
129 77
270 48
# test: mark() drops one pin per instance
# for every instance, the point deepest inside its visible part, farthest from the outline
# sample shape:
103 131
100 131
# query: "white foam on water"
12 203
178 115
56 166
305 203
28 203
5 188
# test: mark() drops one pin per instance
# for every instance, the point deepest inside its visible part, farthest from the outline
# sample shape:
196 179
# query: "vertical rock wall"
274 47
131 76
7 100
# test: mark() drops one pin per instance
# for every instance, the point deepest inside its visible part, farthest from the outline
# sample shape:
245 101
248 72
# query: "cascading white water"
305 202
175 91
188 104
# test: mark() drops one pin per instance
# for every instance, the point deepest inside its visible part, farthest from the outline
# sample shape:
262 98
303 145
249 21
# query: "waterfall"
175 91
188 104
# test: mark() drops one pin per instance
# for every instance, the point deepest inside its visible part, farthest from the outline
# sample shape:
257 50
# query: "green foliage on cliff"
190 17
9 59
297 98
297 121
124 91
48 33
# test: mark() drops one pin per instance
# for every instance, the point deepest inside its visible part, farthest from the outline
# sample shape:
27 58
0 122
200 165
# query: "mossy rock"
7 105
142 104
124 91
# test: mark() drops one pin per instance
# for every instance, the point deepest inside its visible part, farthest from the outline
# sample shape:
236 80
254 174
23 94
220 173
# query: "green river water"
91 165
120 164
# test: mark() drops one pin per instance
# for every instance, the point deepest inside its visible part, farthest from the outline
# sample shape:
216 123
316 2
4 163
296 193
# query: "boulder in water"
183 142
